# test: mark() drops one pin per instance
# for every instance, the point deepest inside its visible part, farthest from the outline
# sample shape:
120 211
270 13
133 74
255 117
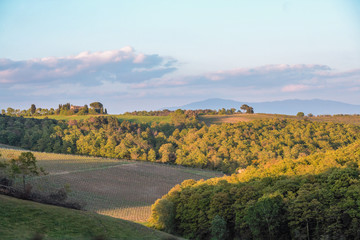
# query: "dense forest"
322 206
225 147
315 197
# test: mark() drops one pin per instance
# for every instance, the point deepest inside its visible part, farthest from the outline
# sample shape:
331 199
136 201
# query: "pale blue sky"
193 39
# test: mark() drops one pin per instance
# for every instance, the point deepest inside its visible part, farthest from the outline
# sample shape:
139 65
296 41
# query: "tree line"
98 108
186 141
243 109
63 109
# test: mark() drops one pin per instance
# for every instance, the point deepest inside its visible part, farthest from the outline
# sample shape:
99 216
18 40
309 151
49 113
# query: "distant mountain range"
290 107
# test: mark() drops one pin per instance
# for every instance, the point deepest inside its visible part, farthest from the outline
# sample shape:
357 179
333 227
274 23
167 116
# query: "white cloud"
283 77
125 75
86 68
268 73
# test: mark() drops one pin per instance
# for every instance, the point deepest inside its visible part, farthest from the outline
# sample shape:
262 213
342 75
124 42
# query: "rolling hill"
117 188
20 219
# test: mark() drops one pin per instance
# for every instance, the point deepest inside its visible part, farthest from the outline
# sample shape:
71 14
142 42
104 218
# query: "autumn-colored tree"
151 155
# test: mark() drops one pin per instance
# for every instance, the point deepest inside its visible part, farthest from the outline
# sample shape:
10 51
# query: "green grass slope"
20 219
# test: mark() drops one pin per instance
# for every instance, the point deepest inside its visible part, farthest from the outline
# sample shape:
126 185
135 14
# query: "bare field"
118 188
239 117
234 118
346 119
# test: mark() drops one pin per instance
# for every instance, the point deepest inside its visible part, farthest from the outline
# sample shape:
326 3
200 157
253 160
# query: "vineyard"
118 188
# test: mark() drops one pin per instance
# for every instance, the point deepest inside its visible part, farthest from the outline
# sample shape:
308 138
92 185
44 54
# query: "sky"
151 54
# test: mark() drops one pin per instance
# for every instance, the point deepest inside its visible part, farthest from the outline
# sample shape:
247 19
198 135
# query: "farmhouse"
76 108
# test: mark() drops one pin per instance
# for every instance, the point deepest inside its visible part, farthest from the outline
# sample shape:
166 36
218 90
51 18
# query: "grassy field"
130 118
119 188
219 119
21 219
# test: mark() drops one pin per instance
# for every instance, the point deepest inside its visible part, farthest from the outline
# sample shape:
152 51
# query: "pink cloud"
139 58
295 88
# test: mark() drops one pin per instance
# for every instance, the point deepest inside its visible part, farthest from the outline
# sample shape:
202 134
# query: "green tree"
305 211
84 110
25 166
32 109
265 217
246 108
3 164
222 111
163 215
97 106
218 228
10 111
300 114
178 117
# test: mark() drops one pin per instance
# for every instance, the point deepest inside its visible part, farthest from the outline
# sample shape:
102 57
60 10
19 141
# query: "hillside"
117 188
312 197
20 219
283 162
316 163
223 147
290 107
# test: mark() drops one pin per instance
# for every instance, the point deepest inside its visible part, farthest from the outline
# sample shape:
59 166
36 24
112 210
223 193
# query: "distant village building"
76 108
